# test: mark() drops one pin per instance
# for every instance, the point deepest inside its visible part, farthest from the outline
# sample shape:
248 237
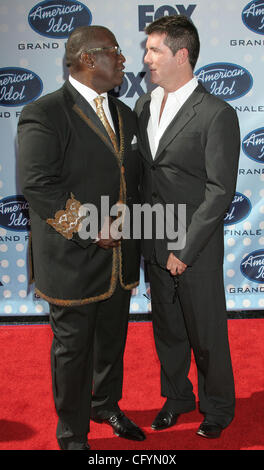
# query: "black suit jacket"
66 159
195 165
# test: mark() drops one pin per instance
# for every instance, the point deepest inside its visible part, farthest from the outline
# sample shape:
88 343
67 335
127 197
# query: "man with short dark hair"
190 144
74 148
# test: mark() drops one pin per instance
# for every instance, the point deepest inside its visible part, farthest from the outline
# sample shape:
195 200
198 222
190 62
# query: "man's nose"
147 58
122 58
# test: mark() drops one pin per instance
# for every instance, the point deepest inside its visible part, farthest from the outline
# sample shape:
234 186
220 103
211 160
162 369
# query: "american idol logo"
14 213
252 266
227 81
253 16
18 86
57 19
238 210
253 145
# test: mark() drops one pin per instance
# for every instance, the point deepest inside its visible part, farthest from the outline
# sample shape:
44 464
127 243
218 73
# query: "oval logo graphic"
14 213
18 86
253 16
252 266
227 81
239 209
57 19
253 145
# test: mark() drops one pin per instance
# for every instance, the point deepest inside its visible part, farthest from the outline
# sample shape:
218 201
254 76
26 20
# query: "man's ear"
182 56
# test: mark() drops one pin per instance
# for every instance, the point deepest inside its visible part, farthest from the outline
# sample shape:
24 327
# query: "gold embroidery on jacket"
120 159
67 221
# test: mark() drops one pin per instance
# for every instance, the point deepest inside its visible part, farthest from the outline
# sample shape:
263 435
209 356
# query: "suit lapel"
143 125
89 116
90 113
186 113
114 114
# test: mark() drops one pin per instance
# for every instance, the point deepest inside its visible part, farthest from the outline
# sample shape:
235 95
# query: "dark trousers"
196 320
87 360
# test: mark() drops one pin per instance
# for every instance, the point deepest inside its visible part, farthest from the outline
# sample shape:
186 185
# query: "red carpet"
28 419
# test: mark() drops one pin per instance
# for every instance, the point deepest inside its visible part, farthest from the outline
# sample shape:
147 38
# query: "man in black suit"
190 146
75 146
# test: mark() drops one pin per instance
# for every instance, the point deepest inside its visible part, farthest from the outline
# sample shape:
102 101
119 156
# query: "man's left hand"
175 265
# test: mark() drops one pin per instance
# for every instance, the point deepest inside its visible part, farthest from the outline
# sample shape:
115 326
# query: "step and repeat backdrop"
33 36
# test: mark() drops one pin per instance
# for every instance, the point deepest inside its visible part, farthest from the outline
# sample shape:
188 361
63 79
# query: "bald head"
82 39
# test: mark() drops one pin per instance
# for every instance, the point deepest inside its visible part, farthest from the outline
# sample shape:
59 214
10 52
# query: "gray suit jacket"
196 165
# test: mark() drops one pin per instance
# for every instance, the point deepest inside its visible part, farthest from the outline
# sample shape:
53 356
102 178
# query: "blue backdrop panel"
33 36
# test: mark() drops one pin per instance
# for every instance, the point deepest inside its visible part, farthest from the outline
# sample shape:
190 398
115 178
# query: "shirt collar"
88 93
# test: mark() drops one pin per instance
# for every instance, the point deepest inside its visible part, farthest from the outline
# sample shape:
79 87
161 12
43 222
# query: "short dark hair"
180 32
81 38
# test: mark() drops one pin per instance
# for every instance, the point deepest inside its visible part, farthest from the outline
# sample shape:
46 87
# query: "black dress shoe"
122 426
164 419
69 444
209 430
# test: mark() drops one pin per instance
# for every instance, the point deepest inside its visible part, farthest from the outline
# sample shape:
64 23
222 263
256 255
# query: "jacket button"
154 194
153 167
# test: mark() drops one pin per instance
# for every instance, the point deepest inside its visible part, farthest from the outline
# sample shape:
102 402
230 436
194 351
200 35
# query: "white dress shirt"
89 94
174 102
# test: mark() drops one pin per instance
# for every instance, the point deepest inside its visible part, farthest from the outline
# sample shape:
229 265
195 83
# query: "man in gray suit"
190 144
